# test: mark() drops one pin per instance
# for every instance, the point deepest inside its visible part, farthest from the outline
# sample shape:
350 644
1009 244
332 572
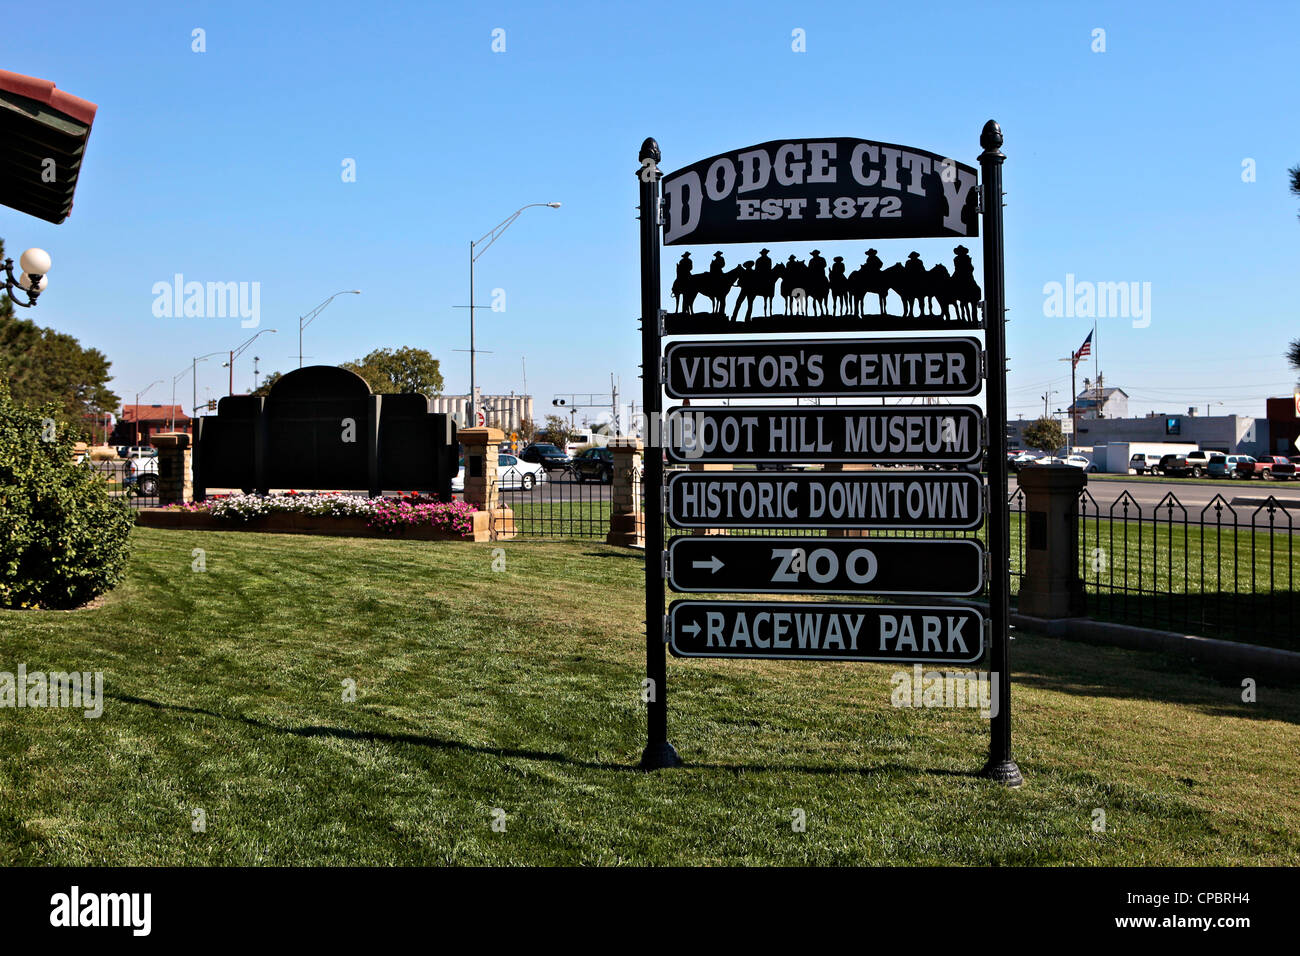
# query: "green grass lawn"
519 689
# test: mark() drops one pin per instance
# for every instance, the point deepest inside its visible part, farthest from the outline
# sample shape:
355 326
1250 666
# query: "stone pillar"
1051 586
175 475
481 449
626 521
834 466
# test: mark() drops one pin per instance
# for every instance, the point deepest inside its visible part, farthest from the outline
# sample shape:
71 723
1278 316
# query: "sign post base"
1004 772
659 757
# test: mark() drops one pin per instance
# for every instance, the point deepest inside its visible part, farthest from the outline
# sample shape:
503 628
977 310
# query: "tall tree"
1044 435
1293 174
557 431
399 370
267 382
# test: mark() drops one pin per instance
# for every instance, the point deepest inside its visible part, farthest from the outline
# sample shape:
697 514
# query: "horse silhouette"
794 290
966 293
714 285
863 281
766 286
751 285
938 286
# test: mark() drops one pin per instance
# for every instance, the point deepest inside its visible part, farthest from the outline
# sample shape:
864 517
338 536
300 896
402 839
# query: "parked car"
514 472
594 463
1225 466
136 451
1267 467
142 472
1016 461
548 456
1145 463
1191 464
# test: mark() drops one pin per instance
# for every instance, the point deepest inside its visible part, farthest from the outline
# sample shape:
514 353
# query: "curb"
1272 661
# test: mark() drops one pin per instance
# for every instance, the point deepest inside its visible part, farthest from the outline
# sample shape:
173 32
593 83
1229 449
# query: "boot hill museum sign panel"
821 191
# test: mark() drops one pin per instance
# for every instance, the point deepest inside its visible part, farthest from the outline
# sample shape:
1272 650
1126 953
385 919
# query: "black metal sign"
934 500
820 189
824 367
816 191
754 565
897 434
826 632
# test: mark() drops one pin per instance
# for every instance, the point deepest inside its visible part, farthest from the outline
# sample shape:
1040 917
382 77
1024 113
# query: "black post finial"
991 137
650 150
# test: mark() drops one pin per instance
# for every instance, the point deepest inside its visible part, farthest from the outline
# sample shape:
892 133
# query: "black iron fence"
133 482
1215 570
561 504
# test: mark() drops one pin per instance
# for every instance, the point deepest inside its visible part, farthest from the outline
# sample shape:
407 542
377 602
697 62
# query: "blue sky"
226 166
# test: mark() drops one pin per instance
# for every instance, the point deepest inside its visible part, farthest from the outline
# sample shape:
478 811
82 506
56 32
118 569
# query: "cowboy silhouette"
837 270
873 263
763 265
914 266
684 267
962 267
718 265
816 263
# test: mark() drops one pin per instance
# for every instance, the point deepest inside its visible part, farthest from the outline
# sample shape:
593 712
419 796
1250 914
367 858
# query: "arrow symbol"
712 564
692 629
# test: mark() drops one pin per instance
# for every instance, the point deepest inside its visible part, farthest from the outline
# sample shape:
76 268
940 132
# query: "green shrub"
63 540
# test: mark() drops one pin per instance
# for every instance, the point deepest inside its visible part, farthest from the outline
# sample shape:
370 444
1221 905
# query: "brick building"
151 419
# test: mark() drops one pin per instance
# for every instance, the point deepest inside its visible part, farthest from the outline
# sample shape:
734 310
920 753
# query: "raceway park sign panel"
826 368
826 632
820 190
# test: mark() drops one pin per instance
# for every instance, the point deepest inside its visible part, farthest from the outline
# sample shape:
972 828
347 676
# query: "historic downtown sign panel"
822 190
879 500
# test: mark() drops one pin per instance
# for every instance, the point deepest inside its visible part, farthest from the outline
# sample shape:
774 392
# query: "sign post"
658 753
1000 766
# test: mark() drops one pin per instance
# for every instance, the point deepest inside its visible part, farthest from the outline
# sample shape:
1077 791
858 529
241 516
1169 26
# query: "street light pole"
137 408
306 320
239 350
492 235
194 382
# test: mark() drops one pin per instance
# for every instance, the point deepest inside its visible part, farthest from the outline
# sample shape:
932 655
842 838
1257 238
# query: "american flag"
1084 350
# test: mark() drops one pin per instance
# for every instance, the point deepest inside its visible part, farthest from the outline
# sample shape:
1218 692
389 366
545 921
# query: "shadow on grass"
419 740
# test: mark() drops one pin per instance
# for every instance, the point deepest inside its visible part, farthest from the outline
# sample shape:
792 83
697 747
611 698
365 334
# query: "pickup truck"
1267 467
1193 464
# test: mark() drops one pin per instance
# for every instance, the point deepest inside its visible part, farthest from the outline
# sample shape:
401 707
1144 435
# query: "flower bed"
410 514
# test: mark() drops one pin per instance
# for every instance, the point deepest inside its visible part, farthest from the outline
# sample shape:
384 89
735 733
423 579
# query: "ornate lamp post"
35 263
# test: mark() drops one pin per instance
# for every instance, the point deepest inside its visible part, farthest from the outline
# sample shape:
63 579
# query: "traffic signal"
558 401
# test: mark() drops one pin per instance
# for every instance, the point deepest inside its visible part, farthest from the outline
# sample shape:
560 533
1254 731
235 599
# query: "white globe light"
25 281
35 261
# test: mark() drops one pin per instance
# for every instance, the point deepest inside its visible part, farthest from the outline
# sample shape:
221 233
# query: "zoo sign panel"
820 189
